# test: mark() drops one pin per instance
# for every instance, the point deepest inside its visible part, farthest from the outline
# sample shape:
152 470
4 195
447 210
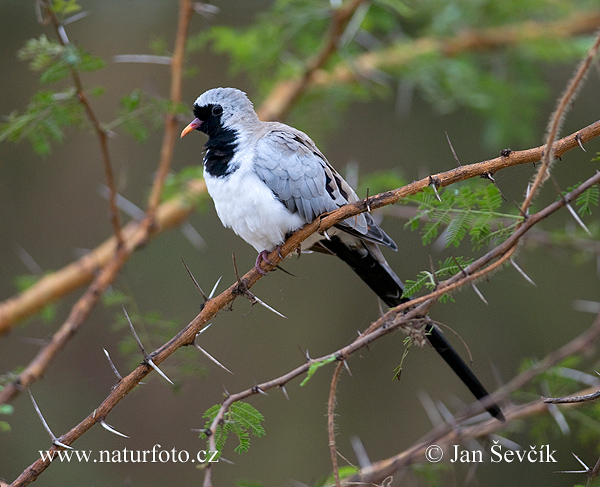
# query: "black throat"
221 141
219 152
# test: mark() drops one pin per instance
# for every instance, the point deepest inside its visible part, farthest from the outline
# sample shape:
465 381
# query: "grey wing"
293 168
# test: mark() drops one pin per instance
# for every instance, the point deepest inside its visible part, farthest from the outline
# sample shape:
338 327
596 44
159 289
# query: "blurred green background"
50 207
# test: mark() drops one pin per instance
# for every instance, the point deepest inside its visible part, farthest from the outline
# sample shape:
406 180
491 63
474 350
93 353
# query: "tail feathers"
367 261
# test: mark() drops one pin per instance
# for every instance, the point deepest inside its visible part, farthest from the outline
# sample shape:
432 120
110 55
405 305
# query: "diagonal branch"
393 319
121 251
60 283
286 92
101 133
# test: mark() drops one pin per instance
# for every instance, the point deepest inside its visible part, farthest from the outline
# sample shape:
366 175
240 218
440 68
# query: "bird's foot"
262 257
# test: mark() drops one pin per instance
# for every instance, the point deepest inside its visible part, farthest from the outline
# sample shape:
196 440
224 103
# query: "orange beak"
194 124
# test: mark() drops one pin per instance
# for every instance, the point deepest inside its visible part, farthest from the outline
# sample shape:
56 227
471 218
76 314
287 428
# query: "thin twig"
570 399
101 133
331 402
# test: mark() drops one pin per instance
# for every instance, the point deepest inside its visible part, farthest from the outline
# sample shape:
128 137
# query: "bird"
268 179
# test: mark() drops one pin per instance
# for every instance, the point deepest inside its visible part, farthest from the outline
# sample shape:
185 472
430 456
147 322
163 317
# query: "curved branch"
393 319
285 93
116 251
101 133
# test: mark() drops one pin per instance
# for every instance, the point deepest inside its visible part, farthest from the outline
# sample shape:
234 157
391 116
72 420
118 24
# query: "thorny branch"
392 319
121 251
91 114
56 285
447 434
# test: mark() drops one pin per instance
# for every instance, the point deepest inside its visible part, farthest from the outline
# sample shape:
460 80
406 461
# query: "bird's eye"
217 110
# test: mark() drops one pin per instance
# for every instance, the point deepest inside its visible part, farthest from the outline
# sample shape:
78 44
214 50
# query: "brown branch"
101 133
186 10
406 52
331 403
121 251
555 121
286 93
448 434
58 284
393 320
570 399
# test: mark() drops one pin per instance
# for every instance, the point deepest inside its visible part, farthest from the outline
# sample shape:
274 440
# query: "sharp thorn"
194 280
39 413
214 288
160 372
522 272
452 149
55 442
587 469
203 330
285 393
258 390
347 368
578 139
135 335
478 292
112 365
209 356
261 302
108 427
577 219
433 183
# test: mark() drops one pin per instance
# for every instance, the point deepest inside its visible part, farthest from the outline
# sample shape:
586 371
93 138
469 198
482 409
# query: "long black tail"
371 267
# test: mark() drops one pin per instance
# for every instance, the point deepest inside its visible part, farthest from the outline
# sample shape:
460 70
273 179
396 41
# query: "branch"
393 319
121 251
60 283
448 434
81 272
101 133
286 92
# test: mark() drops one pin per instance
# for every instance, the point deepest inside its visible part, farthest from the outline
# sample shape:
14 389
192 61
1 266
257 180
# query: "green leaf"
449 267
240 419
65 7
43 121
316 365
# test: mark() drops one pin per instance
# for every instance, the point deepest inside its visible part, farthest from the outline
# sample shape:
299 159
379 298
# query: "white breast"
245 204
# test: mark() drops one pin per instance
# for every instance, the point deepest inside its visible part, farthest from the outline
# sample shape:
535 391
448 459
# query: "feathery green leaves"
471 209
241 419
429 280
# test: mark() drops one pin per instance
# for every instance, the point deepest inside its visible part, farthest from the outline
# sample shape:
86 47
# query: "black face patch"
221 141
210 116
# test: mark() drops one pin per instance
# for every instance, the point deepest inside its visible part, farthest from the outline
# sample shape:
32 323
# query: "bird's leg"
263 257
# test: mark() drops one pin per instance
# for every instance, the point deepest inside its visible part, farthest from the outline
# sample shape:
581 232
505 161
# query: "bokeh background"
50 208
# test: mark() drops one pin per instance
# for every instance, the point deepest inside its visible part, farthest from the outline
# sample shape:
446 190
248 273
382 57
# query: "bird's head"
221 109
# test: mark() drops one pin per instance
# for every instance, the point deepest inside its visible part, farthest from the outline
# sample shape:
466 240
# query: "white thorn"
478 293
160 372
577 219
260 301
208 355
108 427
112 365
520 271
215 287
